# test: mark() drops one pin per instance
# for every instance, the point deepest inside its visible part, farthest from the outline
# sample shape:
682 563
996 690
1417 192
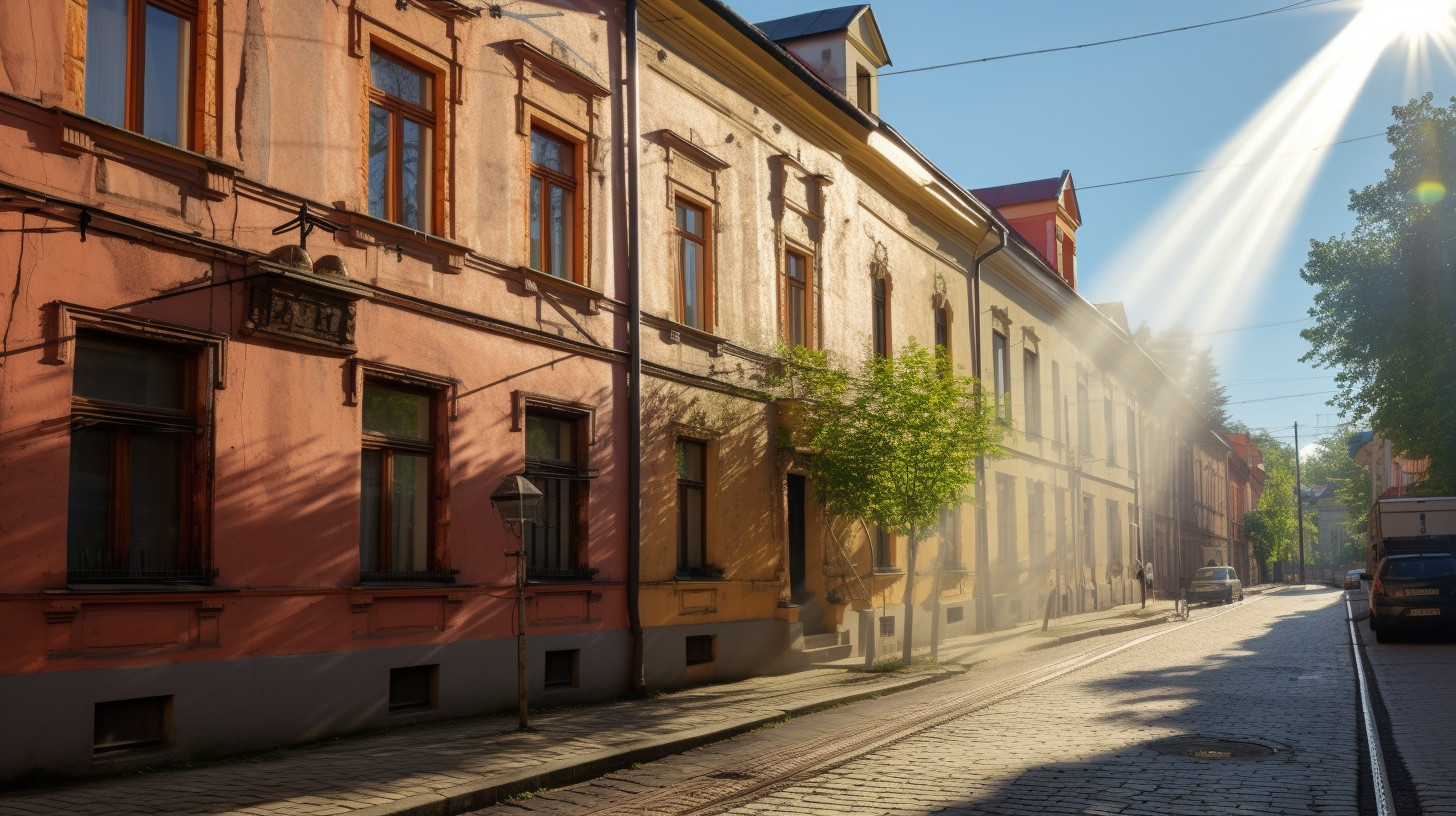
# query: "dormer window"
843 46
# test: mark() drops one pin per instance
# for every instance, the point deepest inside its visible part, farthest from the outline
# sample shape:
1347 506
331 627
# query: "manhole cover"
1212 748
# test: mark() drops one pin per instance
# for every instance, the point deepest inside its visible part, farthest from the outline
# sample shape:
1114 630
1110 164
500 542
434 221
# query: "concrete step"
828 654
825 640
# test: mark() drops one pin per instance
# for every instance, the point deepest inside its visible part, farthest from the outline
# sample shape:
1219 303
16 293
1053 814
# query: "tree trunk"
910 552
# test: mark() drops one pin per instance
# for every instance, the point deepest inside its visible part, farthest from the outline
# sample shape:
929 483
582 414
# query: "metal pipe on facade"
983 553
637 679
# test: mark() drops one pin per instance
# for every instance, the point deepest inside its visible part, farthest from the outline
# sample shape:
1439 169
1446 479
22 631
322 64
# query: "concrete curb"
487 792
1099 632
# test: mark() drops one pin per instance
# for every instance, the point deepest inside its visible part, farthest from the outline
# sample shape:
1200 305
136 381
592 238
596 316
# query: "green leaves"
894 440
1386 306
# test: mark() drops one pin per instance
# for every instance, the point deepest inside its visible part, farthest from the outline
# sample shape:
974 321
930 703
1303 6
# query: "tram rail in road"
731 787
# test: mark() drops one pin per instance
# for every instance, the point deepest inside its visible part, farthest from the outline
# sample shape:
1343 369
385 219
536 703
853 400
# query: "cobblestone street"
1270 678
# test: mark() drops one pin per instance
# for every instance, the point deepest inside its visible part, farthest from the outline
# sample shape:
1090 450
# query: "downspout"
634 363
983 549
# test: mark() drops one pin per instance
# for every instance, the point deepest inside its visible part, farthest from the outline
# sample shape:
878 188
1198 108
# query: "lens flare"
1412 19
1429 192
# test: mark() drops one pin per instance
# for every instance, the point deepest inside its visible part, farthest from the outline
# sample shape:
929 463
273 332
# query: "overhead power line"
1083 188
1290 7
1286 396
1181 335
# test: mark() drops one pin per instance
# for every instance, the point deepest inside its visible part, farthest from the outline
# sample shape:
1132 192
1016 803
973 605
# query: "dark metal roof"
1021 192
811 23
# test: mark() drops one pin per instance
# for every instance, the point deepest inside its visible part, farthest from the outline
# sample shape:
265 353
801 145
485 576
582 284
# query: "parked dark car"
1413 592
1215 584
1352 579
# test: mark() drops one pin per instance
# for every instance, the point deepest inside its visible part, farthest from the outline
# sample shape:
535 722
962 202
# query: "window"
561 671
136 443
139 61
553 208
395 509
1089 539
1031 380
884 550
694 307
123 726
863 88
799 297
1001 375
1084 416
880 341
1006 519
1036 521
887 626
692 488
1109 427
1057 417
1132 450
700 649
554 453
401 142
1114 533
949 545
414 688
942 330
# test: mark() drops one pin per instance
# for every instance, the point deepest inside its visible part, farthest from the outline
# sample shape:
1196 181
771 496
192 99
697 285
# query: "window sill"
363 229
889 571
587 300
674 333
141 589
78 134
581 575
700 575
389 579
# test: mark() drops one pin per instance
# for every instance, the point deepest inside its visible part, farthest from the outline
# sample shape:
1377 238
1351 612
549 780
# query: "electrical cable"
1290 7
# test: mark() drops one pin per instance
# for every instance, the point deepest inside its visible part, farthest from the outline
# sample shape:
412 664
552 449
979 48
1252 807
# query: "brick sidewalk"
449 767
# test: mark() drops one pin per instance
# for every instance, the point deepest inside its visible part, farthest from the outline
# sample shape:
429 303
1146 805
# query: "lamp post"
517 501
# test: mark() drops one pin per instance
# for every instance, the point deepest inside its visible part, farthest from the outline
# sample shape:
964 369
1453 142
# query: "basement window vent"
561 669
127 726
414 688
955 614
887 626
700 649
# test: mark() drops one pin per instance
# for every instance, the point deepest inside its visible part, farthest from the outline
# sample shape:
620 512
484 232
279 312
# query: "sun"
1412 19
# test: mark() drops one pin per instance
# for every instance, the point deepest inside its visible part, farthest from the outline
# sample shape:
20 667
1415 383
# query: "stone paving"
1273 674
448 767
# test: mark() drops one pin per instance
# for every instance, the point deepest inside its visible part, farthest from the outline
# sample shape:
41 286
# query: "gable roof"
1047 189
829 21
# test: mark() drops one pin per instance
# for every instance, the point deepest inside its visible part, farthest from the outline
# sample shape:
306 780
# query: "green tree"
1387 296
1273 527
1193 370
1332 464
894 441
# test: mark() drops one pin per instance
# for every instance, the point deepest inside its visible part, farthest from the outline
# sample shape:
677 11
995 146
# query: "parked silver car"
1215 584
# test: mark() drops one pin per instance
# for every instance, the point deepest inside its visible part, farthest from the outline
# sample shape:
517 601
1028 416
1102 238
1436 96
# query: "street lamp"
517 501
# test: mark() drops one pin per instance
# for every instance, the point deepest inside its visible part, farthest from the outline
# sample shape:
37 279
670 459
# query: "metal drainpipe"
983 551
634 363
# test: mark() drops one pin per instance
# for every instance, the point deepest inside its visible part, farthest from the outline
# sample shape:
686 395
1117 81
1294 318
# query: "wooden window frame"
707 290
880 316
546 176
1031 388
685 485
399 110
1007 553
882 550
194 427
941 322
1109 428
436 451
135 80
1001 375
572 476
808 287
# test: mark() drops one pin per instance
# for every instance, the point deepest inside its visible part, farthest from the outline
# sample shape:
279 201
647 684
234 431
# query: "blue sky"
1130 110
